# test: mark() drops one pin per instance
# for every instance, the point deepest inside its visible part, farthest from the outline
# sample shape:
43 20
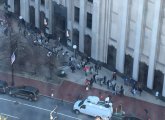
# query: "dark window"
42 2
76 14
89 20
90 1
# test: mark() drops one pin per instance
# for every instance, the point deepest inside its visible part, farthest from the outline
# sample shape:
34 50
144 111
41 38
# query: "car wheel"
99 117
77 112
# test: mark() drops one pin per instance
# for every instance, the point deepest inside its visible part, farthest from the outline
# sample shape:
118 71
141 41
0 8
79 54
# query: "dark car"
3 86
26 92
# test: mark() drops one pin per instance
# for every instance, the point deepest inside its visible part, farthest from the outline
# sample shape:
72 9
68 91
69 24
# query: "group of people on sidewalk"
92 76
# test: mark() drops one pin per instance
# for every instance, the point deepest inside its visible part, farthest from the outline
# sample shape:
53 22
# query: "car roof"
28 88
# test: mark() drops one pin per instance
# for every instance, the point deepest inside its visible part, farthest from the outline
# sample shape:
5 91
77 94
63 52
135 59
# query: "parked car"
26 92
3 86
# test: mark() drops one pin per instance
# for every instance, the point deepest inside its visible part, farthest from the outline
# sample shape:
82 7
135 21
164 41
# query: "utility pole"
12 64
13 49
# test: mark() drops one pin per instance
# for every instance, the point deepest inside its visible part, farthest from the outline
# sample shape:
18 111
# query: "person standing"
133 91
121 90
96 68
157 94
114 75
105 80
91 82
94 78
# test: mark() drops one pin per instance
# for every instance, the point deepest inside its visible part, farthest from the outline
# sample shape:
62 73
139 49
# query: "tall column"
37 13
70 13
48 14
107 29
95 29
104 29
163 92
123 35
27 15
154 39
82 24
102 32
22 8
11 3
139 31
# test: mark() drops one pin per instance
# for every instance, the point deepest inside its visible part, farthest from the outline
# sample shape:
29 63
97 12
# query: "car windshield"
81 103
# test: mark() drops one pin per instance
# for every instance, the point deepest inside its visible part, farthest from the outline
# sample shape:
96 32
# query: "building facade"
127 35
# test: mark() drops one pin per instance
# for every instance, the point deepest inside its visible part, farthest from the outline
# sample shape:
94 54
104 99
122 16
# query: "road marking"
39 108
50 111
3 114
69 116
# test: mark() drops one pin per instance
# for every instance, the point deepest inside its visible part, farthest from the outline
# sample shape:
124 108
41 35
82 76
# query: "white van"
94 107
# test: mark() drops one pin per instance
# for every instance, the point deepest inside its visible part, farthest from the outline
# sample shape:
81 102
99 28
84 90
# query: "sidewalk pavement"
79 77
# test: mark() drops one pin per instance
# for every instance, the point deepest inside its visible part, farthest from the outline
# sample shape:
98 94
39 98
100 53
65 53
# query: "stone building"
127 35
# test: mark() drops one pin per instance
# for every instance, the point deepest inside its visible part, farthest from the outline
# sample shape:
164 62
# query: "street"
19 109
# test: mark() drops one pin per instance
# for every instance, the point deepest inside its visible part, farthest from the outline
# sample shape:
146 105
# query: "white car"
94 107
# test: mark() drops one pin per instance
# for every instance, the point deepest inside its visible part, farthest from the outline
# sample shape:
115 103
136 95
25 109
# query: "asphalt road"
20 109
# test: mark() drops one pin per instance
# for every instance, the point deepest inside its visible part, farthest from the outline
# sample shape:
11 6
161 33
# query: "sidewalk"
79 77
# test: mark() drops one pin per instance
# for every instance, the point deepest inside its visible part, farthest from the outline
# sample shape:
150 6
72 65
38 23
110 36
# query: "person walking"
115 89
140 91
157 95
96 68
108 84
114 77
105 80
107 100
122 90
133 91
73 68
91 83
94 78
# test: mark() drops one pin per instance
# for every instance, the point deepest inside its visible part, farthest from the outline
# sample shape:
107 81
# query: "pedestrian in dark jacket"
121 90
114 75
105 80
72 68
94 78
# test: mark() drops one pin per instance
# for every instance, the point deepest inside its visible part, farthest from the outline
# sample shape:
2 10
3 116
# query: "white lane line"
50 111
36 107
7 100
39 108
69 116
3 114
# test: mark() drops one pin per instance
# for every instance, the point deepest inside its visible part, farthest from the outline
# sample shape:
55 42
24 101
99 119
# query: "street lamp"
75 47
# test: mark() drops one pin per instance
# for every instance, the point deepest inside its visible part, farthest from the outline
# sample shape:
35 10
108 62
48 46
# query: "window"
76 14
90 1
42 2
89 20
